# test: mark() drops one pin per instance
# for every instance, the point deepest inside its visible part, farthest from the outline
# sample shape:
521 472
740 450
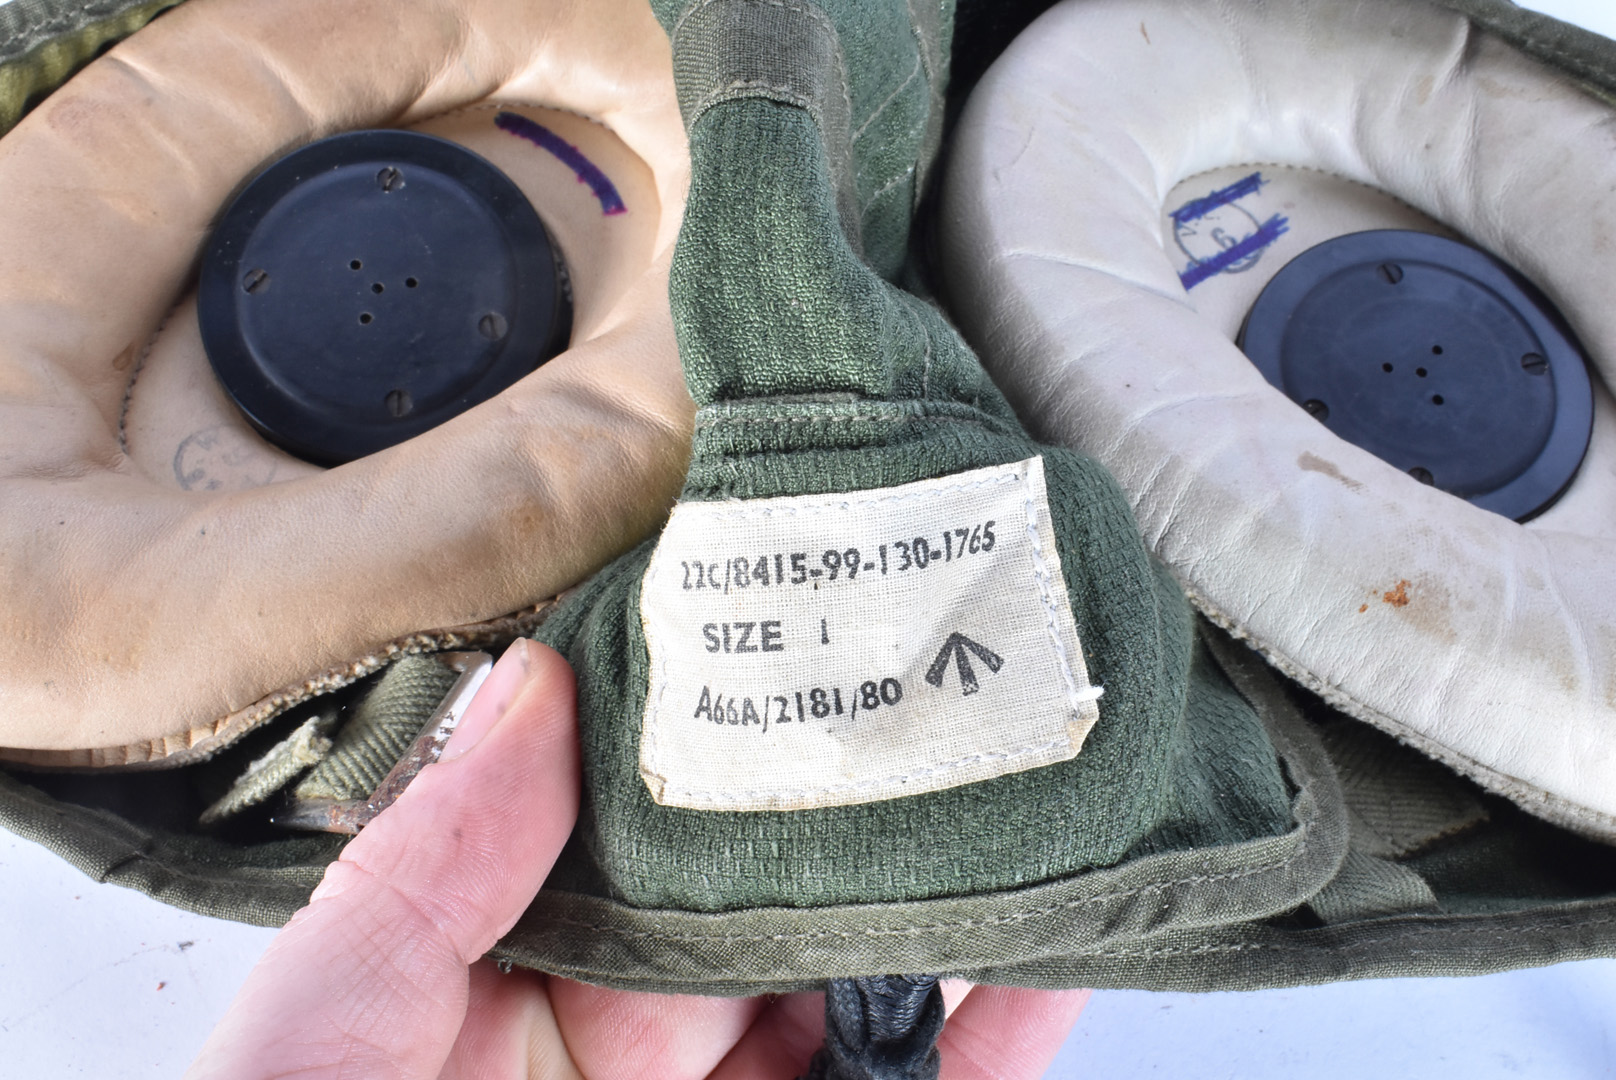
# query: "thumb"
371 976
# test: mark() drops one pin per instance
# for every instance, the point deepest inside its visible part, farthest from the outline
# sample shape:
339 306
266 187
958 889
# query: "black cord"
880 1027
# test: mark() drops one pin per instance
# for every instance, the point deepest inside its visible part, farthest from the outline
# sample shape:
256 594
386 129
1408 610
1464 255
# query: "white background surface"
102 982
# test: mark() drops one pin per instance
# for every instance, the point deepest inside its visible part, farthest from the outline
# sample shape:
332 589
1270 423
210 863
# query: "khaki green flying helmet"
897 688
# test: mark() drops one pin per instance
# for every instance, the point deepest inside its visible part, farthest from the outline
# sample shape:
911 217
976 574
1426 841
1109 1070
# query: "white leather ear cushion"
1490 645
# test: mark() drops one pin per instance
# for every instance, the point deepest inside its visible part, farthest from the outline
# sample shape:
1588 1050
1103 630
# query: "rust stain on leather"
1313 463
1397 596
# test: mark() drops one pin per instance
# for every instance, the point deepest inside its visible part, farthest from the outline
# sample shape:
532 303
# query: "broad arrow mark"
955 648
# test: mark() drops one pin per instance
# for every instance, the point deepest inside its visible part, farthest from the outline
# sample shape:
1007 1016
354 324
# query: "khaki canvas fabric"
1221 830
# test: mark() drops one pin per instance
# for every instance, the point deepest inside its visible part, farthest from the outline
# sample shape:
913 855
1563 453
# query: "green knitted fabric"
816 375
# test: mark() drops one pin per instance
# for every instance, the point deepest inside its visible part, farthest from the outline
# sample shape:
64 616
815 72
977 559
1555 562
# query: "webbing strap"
304 748
379 730
1400 800
1369 886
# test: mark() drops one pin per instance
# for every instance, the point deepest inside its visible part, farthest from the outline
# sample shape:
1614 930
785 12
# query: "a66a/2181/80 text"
745 571
797 706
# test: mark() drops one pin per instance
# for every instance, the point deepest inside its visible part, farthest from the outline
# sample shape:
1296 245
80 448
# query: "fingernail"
493 700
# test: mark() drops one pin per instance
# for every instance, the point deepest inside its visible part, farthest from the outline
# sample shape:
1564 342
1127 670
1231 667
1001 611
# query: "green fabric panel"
761 949
304 748
1260 956
816 375
1515 861
43 42
776 297
1225 784
1086 812
769 297
260 883
382 727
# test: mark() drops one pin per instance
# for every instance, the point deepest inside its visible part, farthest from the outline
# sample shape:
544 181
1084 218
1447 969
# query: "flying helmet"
898 687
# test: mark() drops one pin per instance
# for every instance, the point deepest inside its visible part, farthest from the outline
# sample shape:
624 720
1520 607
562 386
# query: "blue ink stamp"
569 155
1219 236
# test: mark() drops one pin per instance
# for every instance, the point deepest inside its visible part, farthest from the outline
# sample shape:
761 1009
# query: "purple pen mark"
569 155
1266 234
1199 208
1220 236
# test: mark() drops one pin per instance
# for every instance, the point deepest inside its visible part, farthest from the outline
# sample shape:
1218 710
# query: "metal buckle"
351 815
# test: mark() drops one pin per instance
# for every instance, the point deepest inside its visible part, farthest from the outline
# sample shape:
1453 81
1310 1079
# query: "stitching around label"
698 795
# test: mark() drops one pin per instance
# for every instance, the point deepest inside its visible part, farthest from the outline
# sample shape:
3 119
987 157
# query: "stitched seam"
1305 842
719 421
1040 572
925 373
744 510
925 54
960 924
134 376
886 187
809 11
1312 169
1294 946
890 98
775 91
1076 697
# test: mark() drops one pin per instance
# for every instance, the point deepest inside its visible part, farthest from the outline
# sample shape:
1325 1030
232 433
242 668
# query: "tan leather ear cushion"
136 617
1488 644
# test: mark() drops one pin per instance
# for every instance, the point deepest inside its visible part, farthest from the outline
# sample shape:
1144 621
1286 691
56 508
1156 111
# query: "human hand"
380 975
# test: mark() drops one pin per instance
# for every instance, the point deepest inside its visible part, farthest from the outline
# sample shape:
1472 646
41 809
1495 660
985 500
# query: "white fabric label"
823 650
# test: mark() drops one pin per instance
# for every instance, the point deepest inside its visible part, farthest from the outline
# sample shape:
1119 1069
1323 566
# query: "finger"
954 991
510 1032
1007 1033
371 976
780 1041
661 1036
